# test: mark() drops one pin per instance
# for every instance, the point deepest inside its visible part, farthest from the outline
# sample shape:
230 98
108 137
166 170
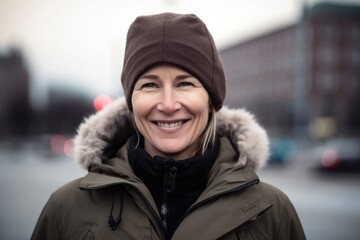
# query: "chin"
171 150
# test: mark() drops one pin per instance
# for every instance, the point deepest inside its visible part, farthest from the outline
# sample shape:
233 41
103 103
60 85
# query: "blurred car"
281 150
338 154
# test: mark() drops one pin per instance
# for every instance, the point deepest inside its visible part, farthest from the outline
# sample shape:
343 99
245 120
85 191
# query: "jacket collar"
106 131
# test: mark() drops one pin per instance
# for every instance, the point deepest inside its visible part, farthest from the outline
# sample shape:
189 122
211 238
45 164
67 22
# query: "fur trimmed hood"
104 132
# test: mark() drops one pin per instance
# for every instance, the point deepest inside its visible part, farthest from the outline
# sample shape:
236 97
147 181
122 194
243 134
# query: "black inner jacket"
174 184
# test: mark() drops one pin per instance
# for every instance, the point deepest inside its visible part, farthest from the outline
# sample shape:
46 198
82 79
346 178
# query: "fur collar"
105 131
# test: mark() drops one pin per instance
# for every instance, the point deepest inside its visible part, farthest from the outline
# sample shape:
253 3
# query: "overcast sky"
80 43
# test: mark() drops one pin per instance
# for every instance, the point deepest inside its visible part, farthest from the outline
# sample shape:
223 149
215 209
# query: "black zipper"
231 191
170 179
168 187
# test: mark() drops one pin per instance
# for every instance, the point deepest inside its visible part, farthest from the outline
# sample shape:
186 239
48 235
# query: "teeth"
169 125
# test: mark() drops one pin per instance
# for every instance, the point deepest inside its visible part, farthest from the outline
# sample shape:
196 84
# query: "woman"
168 161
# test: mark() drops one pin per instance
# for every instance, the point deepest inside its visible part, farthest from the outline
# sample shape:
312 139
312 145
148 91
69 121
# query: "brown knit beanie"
179 39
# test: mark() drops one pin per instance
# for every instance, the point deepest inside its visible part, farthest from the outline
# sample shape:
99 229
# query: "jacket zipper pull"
170 180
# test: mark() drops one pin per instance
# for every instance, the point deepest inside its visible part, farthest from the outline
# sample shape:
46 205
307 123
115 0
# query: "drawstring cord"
113 224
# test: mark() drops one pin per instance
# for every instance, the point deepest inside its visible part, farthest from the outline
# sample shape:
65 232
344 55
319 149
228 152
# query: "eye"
185 84
148 85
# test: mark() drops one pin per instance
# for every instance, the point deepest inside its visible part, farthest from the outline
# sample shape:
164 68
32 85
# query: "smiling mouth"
170 124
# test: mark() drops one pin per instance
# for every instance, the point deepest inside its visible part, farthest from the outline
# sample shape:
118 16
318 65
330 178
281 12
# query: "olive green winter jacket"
234 205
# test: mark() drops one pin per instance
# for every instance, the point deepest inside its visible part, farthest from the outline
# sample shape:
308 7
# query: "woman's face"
171 110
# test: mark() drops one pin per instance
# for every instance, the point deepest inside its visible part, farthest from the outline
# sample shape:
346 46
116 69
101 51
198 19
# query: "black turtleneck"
174 184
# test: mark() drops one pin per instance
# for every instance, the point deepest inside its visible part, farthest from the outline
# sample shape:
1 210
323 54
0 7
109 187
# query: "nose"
168 102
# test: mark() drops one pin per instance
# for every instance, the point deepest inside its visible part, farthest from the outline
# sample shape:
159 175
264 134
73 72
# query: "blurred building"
64 112
14 94
303 79
66 109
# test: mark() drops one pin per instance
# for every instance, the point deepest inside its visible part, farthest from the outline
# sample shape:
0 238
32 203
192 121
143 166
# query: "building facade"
303 79
14 95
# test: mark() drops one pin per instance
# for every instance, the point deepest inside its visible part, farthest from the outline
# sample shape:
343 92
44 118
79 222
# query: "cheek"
200 104
138 102
139 110
205 109
204 117
140 121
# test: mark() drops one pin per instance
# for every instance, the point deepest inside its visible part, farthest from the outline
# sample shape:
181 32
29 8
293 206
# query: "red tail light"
330 159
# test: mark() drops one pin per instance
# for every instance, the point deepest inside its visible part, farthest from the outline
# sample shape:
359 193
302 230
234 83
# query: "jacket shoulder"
272 193
64 192
60 211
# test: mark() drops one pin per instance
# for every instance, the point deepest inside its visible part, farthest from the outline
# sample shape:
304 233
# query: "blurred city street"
327 203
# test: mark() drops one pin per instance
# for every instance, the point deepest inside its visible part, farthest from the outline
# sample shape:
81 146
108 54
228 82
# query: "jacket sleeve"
46 227
290 226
